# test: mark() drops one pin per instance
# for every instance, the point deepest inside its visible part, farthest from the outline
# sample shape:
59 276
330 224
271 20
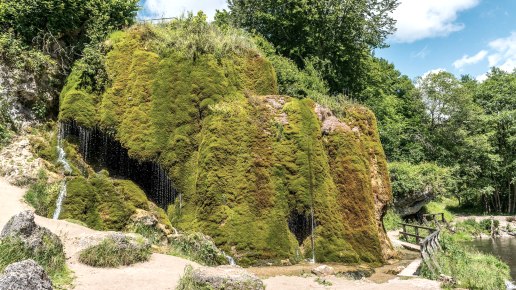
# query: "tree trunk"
513 186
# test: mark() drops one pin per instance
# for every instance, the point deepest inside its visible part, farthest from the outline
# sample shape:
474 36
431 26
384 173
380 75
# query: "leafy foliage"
302 30
470 268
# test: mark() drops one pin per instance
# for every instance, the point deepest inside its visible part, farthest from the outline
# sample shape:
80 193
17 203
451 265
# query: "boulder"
22 226
25 275
227 278
323 270
410 204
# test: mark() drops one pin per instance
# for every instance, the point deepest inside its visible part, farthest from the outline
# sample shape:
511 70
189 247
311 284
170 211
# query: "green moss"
106 204
185 96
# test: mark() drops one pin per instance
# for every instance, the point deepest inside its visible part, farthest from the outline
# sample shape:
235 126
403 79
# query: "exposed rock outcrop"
270 178
226 278
25 275
323 270
18 164
34 237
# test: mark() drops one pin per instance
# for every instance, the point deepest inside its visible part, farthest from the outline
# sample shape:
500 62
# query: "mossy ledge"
253 170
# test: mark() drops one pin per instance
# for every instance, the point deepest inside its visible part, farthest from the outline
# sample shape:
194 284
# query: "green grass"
199 248
392 220
442 204
41 194
188 283
471 269
108 254
51 257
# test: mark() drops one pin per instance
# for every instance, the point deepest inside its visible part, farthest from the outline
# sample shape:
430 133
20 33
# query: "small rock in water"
323 270
25 275
227 277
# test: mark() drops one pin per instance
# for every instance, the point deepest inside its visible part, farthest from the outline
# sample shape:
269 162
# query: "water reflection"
504 248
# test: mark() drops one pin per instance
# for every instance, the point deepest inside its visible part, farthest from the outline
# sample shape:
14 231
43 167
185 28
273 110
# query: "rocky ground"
164 272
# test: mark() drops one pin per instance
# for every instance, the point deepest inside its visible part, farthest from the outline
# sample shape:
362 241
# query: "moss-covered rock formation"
253 170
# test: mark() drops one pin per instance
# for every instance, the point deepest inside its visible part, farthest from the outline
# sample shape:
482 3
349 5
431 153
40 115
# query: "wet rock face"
23 227
226 277
25 275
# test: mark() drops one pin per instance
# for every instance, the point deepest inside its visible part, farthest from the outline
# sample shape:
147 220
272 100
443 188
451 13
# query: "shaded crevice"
300 225
102 151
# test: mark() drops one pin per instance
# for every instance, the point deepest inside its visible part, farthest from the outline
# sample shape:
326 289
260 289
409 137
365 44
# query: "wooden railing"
434 217
416 233
428 244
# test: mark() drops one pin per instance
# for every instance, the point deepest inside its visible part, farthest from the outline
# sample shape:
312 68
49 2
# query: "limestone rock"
227 278
25 275
23 227
144 217
411 204
17 162
323 270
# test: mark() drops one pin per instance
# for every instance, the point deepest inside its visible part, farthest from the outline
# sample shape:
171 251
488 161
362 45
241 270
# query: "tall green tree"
62 28
336 35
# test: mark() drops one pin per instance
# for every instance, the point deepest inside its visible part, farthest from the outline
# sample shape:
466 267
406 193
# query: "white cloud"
418 19
432 71
173 8
481 78
503 53
466 59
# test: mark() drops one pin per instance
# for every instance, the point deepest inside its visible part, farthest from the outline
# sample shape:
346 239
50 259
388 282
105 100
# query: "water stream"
67 169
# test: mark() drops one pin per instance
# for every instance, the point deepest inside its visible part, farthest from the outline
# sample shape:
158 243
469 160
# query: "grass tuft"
109 254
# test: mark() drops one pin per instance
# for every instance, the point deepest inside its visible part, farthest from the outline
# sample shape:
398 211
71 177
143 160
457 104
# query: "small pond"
504 248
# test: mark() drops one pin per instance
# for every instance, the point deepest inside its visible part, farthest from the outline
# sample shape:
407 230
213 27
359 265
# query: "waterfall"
61 155
101 150
60 199
312 232
230 259
67 169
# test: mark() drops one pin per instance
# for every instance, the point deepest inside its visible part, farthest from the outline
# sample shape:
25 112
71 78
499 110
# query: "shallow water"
504 248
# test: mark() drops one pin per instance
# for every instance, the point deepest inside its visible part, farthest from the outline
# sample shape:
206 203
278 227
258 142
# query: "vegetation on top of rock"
414 186
251 170
197 247
22 239
117 250
220 278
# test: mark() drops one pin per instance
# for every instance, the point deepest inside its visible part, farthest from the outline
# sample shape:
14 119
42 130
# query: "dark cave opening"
102 151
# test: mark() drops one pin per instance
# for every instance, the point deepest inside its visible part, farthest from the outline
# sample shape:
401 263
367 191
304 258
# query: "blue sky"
460 36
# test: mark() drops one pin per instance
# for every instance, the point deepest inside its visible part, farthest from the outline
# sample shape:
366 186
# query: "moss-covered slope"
255 171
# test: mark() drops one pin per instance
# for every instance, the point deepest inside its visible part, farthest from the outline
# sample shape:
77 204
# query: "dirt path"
162 271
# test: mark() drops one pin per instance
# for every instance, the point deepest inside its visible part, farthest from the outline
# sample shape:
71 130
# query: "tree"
62 28
336 35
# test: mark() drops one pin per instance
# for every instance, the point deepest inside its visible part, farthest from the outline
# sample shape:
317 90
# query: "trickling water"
102 151
230 259
312 232
60 199
61 155
61 158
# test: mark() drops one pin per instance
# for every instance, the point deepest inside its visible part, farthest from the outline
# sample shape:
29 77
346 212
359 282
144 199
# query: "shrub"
391 220
41 194
470 268
199 248
51 257
112 253
187 282
486 224
510 219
